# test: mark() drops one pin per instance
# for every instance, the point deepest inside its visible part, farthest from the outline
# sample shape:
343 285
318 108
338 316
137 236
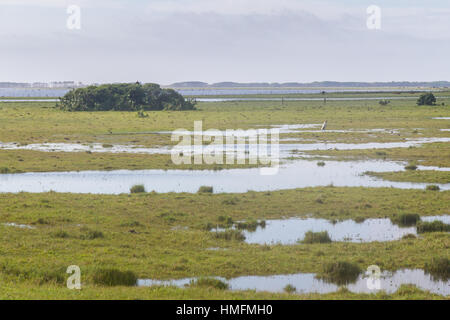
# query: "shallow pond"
290 231
286 149
308 283
298 174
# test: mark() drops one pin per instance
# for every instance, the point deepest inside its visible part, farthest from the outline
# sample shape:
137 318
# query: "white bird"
324 126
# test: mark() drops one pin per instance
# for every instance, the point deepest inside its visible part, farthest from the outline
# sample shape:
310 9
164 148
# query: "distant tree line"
124 97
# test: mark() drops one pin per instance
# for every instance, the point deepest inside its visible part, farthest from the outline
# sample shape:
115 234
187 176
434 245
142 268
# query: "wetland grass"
114 277
340 272
139 188
316 237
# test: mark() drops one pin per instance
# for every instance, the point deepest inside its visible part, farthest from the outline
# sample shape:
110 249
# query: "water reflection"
298 174
309 283
290 231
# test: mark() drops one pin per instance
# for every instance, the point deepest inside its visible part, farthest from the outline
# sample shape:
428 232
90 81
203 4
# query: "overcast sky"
167 41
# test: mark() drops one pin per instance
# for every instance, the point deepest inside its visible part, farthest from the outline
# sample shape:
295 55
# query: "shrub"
433 188
406 219
114 277
426 99
409 236
205 189
321 164
210 283
384 102
435 226
439 268
139 188
340 272
124 97
230 235
316 237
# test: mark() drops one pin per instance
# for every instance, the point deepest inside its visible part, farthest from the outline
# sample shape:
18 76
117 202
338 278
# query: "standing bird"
324 126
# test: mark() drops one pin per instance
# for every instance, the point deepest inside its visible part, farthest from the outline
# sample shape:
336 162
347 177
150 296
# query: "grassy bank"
427 176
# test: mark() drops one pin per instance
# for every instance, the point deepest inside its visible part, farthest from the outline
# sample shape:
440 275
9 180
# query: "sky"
167 41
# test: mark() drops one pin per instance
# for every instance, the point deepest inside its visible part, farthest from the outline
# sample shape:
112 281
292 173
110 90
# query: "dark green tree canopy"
124 97
426 99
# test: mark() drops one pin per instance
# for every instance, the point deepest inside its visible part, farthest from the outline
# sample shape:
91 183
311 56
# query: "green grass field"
165 236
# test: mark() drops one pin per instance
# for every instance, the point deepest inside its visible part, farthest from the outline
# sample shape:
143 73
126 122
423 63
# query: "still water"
308 283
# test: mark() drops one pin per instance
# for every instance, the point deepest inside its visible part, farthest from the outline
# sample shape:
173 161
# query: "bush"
439 269
210 283
114 277
426 99
321 164
316 237
124 97
435 226
205 189
384 102
406 219
230 235
139 188
340 272
433 188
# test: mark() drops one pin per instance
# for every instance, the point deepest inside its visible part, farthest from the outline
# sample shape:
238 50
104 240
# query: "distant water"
212 92
55 92
32 92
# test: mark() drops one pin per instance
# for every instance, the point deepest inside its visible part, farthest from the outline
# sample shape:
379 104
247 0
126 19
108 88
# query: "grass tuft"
435 226
139 188
406 219
205 189
433 187
209 283
114 277
230 235
439 268
340 272
316 237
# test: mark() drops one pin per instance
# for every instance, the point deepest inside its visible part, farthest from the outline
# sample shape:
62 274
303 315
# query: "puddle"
441 118
76 147
298 174
285 149
21 226
308 283
290 231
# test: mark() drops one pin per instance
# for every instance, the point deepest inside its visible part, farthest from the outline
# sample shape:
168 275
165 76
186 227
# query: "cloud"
212 40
